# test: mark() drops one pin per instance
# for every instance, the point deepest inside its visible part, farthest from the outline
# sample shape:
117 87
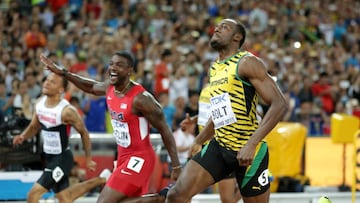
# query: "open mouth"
113 76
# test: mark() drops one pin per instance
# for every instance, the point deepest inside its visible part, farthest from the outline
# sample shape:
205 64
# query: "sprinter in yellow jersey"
228 188
237 80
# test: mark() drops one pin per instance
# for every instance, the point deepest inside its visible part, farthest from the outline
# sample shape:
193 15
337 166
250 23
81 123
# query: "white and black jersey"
54 132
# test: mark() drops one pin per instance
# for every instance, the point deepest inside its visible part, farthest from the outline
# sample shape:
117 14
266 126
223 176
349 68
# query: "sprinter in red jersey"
132 111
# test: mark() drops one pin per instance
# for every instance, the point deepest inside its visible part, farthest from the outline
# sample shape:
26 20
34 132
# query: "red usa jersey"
131 131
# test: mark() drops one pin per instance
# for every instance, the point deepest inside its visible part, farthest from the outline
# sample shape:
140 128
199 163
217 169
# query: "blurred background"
311 49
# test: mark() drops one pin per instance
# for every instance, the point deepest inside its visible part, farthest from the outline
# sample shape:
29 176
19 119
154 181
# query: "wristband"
176 167
64 72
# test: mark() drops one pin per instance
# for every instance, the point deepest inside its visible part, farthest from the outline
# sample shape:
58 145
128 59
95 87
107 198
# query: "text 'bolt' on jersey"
233 102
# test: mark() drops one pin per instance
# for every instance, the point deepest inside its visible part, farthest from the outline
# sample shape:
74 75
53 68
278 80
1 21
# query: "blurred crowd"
311 48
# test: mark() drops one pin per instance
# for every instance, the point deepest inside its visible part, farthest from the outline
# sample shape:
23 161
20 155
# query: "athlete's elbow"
283 107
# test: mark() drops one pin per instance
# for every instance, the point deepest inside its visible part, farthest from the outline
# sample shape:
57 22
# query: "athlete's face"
119 70
53 85
223 35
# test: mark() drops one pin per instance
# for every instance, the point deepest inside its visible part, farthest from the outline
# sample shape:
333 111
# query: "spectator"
168 109
258 18
162 73
323 91
34 89
5 101
76 103
180 105
354 89
80 64
12 75
184 138
35 38
194 68
192 106
306 101
179 83
95 109
22 103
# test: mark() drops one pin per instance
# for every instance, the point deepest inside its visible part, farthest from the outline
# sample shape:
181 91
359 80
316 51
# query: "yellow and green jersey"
233 102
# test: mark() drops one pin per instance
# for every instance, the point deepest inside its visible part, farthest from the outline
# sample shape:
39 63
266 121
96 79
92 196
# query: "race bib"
52 142
121 133
263 178
135 164
221 111
57 174
204 113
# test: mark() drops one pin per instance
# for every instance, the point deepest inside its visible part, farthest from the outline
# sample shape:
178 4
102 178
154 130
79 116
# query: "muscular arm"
145 105
71 117
87 85
255 70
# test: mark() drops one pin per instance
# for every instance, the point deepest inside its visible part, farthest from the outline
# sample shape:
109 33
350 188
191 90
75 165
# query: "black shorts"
57 170
221 163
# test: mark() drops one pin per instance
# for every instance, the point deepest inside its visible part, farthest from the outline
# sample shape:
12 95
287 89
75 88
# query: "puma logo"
256 188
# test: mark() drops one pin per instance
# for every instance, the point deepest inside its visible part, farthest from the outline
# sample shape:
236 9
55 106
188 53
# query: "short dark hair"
166 52
242 30
193 92
323 74
64 81
74 99
129 57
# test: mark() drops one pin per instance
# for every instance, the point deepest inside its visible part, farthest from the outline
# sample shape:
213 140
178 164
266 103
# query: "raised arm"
146 105
71 117
86 84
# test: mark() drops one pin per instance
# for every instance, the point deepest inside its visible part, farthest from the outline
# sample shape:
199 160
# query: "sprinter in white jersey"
54 116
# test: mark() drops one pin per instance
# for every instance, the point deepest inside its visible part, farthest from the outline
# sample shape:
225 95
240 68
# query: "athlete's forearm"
81 82
274 114
173 155
86 144
29 132
206 134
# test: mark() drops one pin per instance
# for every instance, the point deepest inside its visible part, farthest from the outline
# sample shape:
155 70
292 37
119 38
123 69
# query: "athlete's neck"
226 53
52 101
121 90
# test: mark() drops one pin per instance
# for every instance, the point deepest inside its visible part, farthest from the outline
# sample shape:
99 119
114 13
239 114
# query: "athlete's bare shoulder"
143 98
145 102
251 66
69 114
